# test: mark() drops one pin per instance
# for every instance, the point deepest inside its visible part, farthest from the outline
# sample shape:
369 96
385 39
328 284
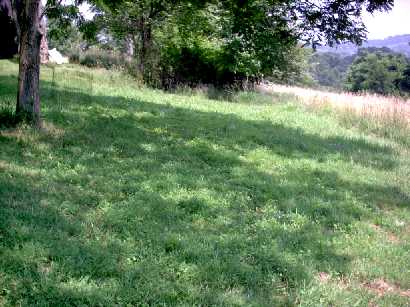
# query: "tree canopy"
377 70
228 40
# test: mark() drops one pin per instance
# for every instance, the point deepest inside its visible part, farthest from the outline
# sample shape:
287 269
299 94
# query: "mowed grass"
135 197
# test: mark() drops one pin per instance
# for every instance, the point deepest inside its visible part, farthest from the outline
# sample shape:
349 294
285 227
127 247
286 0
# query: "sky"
383 24
85 10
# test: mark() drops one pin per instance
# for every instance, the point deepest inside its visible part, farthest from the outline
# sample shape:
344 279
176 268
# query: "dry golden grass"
365 104
383 112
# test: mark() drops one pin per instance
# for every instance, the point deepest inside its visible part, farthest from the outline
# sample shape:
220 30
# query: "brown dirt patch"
381 287
391 237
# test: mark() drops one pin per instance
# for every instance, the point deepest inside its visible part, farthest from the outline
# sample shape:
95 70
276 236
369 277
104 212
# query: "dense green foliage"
405 80
227 42
136 197
192 43
379 71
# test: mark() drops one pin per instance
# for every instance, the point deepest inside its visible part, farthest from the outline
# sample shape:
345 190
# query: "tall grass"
387 116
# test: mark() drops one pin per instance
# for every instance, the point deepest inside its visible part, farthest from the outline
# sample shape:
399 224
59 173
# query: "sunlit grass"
132 196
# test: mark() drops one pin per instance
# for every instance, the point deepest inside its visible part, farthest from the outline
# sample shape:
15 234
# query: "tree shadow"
231 131
138 202
7 102
226 129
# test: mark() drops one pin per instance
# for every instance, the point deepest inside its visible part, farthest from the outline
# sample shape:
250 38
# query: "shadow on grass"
226 130
137 202
7 119
8 102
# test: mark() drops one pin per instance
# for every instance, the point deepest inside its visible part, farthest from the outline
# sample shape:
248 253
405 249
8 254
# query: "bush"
378 71
104 59
196 65
74 57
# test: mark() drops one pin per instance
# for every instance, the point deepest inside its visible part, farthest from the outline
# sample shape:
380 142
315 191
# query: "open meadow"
131 196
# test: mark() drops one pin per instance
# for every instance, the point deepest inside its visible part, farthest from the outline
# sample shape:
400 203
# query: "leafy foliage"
103 58
405 80
67 39
377 70
229 41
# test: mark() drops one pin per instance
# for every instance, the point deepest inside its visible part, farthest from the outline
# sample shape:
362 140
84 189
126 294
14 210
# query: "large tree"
251 28
28 18
31 32
134 22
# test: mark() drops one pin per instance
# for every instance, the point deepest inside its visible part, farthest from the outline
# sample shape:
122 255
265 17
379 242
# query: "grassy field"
136 197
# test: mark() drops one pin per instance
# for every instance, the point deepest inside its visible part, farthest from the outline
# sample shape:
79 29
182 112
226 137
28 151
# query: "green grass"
135 197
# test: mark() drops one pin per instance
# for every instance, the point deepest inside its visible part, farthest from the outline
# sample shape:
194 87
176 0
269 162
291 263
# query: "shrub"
195 65
104 59
74 57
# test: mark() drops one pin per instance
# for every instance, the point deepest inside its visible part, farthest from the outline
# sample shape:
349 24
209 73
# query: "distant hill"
398 43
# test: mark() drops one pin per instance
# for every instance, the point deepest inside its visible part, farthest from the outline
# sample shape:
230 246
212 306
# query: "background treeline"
376 70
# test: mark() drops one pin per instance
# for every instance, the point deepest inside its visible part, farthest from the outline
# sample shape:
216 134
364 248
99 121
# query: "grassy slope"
133 196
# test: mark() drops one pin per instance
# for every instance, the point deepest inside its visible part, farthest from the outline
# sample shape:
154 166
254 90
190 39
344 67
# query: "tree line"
376 70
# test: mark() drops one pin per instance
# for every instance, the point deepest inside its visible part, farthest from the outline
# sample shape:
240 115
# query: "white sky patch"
395 22
85 8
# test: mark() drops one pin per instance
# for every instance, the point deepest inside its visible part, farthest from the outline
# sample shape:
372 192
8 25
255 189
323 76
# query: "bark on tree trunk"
31 32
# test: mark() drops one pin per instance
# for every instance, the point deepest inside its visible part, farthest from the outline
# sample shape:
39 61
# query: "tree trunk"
31 32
